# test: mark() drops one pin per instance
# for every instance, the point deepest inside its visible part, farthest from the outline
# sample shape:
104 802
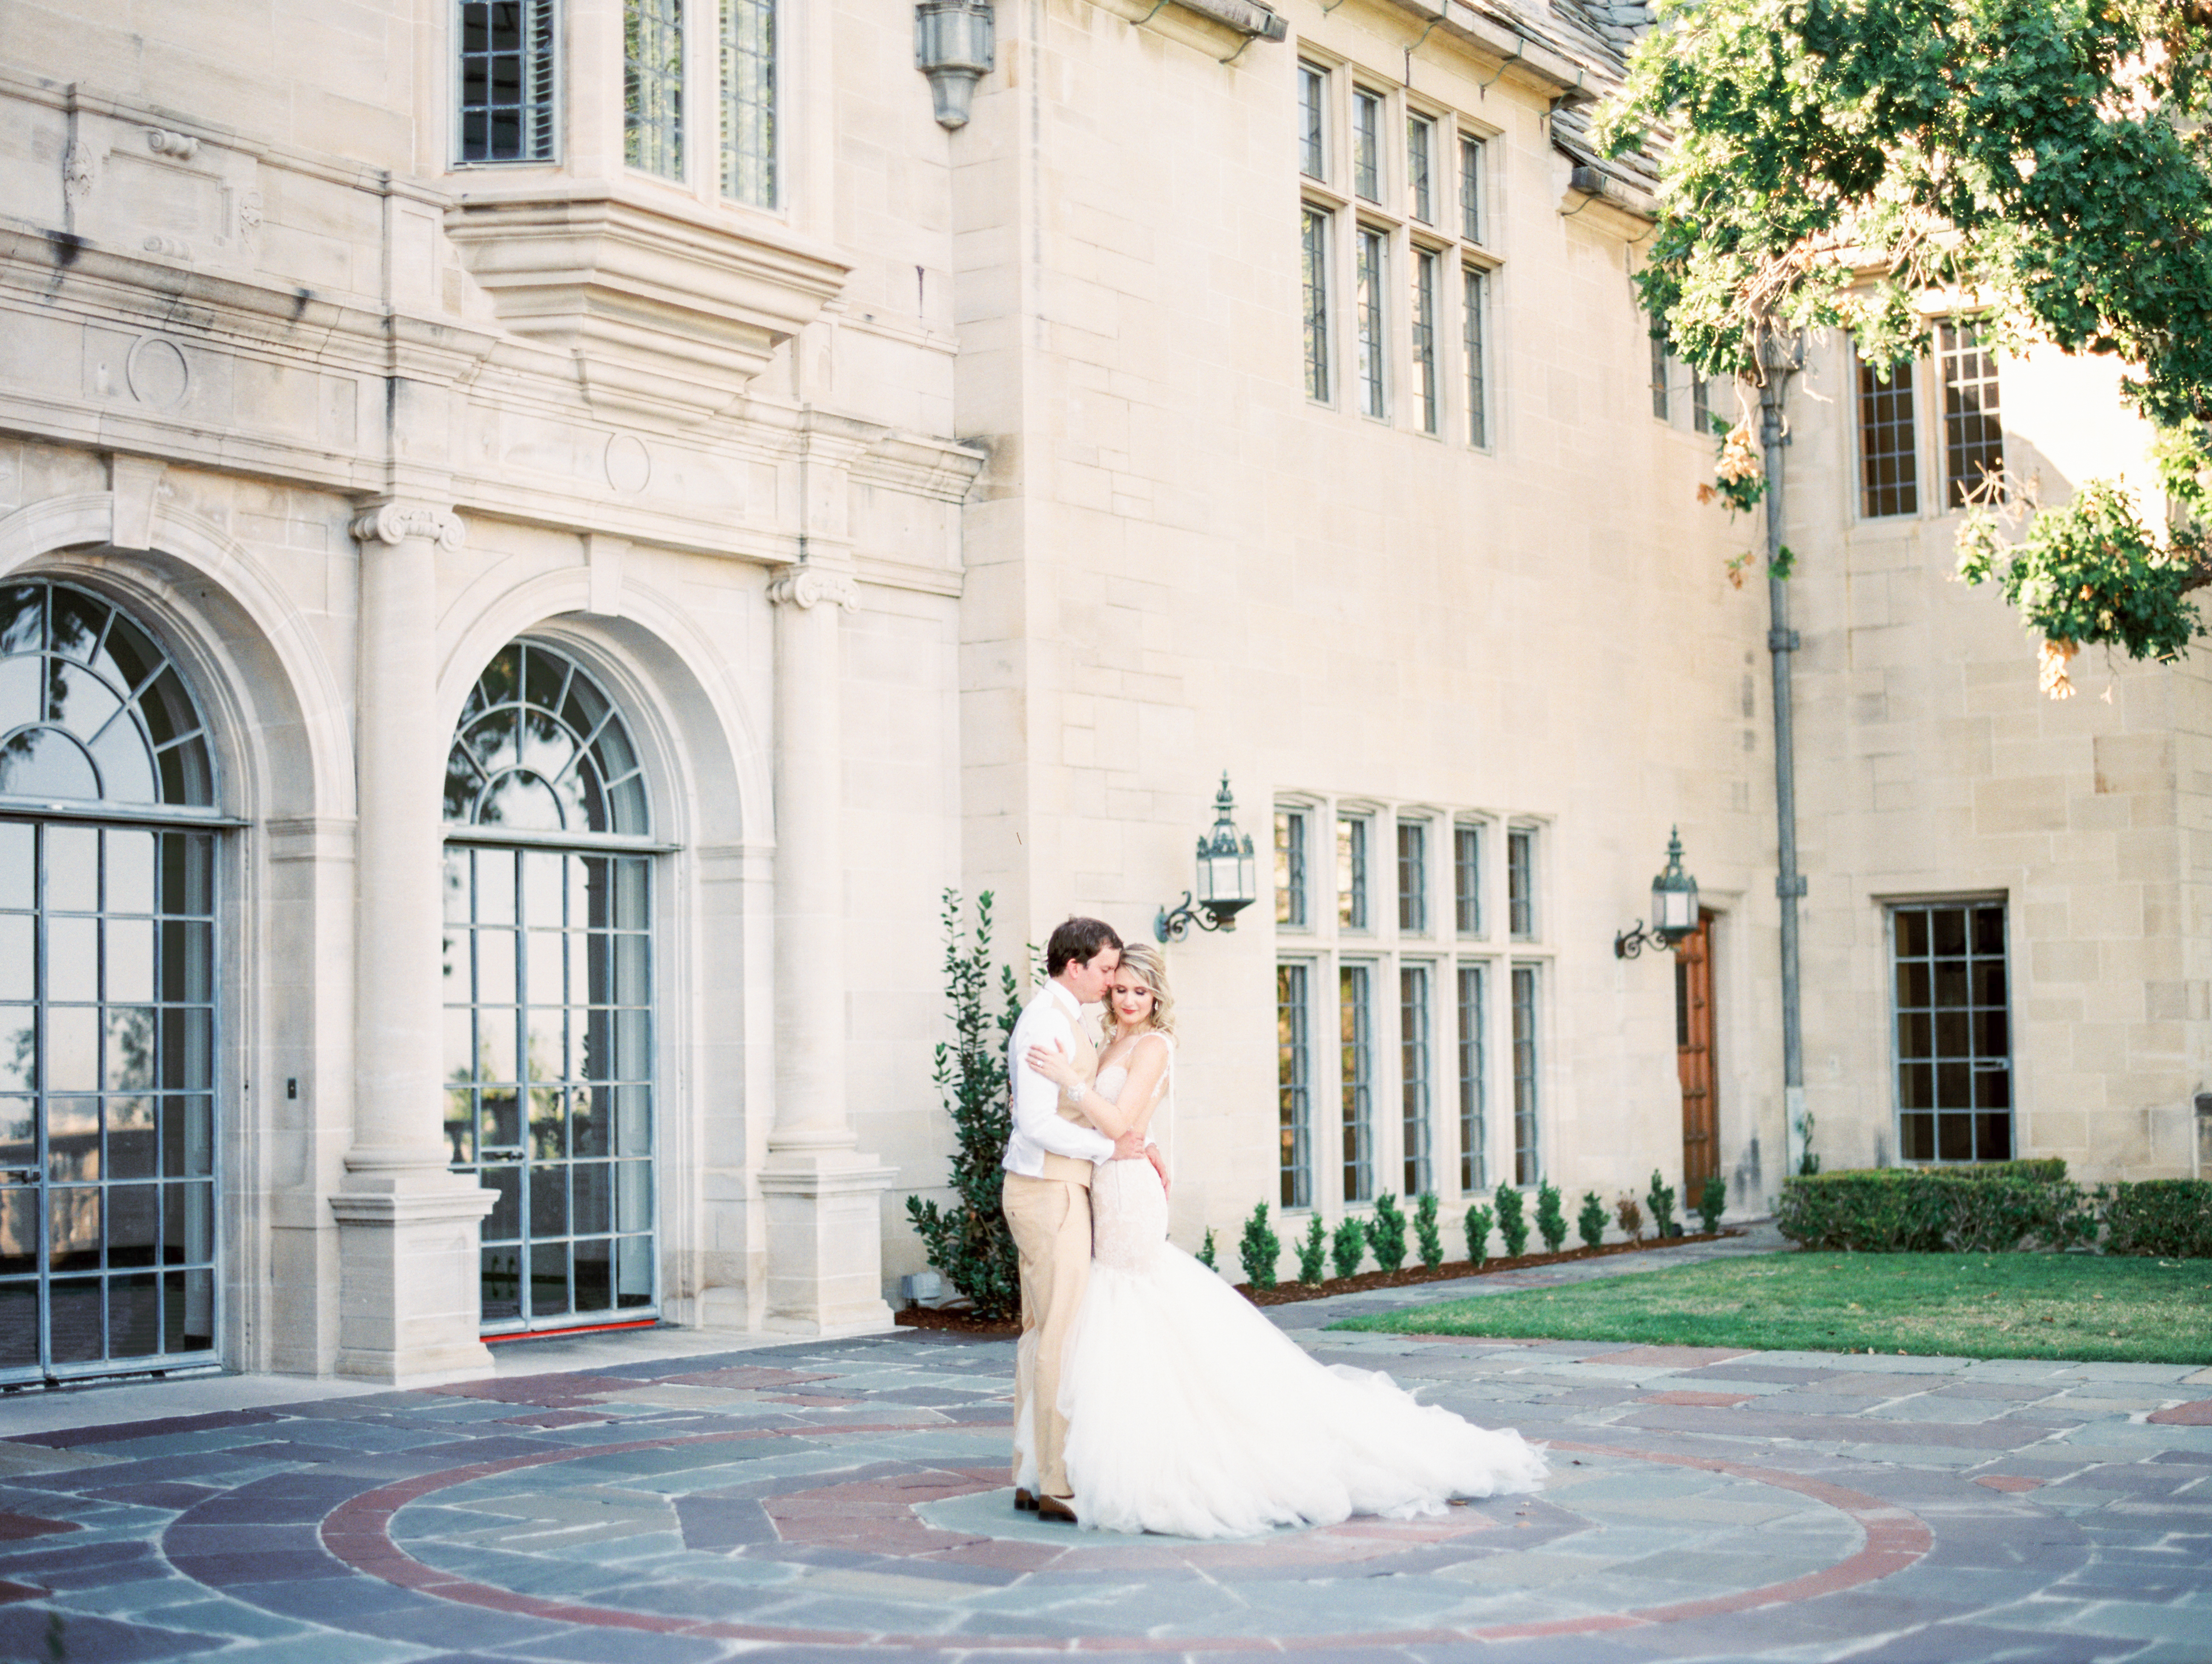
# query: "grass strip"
2079 1307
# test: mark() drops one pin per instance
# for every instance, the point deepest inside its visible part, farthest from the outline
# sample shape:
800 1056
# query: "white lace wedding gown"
1190 1413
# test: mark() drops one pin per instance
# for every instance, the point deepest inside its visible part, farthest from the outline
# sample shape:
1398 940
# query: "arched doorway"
108 1019
549 993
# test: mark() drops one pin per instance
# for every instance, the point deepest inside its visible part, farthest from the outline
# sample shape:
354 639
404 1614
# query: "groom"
1047 1195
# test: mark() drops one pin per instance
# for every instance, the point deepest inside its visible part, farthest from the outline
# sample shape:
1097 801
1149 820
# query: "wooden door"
1694 1057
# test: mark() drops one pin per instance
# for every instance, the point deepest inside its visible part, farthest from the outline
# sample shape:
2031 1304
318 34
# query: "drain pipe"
1781 356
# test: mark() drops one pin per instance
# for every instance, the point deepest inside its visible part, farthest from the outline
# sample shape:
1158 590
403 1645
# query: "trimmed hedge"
1993 1207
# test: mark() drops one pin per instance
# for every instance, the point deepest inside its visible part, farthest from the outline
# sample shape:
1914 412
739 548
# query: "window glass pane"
1476 285
1313 243
1521 884
1953 1032
653 86
1467 880
1370 320
1356 1072
1290 868
749 136
1294 1085
1367 144
1889 448
1524 1075
1414 877
1659 357
1420 154
1474 1086
1352 871
1424 338
1313 105
1470 188
1414 1077
1973 430
506 80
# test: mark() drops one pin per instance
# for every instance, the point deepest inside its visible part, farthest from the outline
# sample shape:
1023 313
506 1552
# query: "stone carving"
394 523
249 221
807 586
174 248
79 169
157 371
179 147
629 464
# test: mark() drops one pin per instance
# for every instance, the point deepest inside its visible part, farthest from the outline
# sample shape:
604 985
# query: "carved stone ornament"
79 169
179 146
394 523
809 586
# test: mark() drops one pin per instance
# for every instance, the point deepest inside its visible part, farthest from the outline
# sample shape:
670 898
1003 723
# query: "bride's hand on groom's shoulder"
1054 1066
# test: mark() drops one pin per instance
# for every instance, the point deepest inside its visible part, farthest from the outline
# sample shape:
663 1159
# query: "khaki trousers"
1050 1219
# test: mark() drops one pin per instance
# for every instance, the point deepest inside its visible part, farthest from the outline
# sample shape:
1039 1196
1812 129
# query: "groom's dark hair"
1077 942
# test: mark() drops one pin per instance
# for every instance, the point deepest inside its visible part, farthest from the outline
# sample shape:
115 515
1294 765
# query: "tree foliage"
2043 165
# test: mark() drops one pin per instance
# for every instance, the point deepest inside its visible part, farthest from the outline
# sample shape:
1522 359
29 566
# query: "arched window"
549 998
108 1010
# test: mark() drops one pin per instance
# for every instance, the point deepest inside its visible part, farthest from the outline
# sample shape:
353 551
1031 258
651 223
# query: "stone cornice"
669 310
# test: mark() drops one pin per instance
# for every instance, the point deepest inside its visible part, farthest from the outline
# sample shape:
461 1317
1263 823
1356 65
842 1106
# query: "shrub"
1313 1251
1349 1243
1712 1202
1910 1210
1661 1199
1512 1228
1589 1223
969 1241
1205 1251
1630 1217
1258 1249
1478 1234
1428 1233
1551 1223
1386 1233
2170 1218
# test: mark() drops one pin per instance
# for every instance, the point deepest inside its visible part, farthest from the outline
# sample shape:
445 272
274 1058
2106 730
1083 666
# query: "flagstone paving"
848 1499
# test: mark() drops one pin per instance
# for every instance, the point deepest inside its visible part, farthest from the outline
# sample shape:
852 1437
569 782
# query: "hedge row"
1995 1207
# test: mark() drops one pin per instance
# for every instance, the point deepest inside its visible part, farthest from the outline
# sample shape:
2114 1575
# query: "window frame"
1296 1188
1898 1009
1419 895
1521 840
1416 1086
1297 889
1467 896
1528 1082
1352 869
556 98
773 158
1355 1032
1866 383
1322 76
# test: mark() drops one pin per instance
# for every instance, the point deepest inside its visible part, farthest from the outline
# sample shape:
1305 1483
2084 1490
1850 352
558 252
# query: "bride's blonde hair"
1150 963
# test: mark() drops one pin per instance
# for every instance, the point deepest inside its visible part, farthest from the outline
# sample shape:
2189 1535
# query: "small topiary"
1313 1251
1550 1222
1661 1199
1258 1249
1428 1233
1348 1245
1206 1252
1512 1228
1386 1233
1478 1234
1712 1202
1589 1223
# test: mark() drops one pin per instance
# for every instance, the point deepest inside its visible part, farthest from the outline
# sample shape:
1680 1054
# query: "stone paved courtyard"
638 1500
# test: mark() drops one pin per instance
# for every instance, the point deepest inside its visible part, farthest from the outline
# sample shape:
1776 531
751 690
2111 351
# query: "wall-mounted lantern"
1673 908
955 45
1227 877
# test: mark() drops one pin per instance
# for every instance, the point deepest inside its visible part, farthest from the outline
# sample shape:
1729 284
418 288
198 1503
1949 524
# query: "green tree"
2044 164
1386 1233
1589 1223
1313 1250
1512 1228
1478 1234
1428 1232
969 1241
1347 1246
1259 1248
1550 1222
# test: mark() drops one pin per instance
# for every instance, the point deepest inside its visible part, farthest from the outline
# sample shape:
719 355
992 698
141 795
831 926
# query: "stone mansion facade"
539 536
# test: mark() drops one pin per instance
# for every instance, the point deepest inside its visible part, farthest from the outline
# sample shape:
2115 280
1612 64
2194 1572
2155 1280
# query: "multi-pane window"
1424 339
1521 884
1352 832
653 86
1355 1078
1291 882
1313 121
1413 877
1294 1084
1889 447
1477 285
1473 1085
1701 402
1313 269
1954 1032
1471 225
1524 1074
1659 356
1413 1078
1369 321
1467 880
1421 167
1367 144
749 135
1973 432
506 80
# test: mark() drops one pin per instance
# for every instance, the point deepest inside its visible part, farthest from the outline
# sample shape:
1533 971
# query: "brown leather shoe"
1024 1502
1061 1508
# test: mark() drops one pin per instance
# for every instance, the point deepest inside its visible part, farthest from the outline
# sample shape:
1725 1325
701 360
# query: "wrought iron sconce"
1228 880
1673 908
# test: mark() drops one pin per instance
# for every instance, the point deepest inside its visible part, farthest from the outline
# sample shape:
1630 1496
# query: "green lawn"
1955 1305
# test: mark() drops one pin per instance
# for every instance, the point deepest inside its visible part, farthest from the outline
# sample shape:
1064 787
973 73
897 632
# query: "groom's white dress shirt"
1039 1127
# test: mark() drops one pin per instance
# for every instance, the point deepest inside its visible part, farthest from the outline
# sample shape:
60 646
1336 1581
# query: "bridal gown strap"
1191 1414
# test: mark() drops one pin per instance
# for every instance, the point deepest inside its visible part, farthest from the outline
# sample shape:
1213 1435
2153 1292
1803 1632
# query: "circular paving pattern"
737 1535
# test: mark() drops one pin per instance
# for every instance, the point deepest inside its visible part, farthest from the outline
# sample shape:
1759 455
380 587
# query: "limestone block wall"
1932 767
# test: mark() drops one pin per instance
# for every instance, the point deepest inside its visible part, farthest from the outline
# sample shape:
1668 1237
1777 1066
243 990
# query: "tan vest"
1073 1169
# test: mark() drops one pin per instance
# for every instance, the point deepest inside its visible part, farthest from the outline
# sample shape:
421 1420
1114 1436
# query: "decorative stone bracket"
809 586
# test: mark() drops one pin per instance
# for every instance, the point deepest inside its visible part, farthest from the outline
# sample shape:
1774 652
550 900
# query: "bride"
1189 1413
